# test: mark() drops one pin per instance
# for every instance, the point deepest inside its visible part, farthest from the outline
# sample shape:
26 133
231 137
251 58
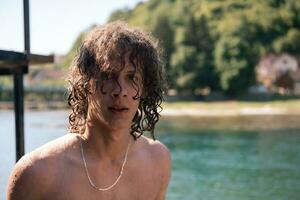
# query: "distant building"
50 74
45 74
279 73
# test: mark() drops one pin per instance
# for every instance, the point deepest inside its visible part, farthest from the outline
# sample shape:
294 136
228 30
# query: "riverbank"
232 108
219 108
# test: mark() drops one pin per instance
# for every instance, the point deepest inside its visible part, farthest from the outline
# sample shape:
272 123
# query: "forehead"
125 65
129 67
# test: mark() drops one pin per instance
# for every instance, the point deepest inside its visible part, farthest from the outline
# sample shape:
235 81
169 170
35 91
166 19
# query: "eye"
104 76
131 77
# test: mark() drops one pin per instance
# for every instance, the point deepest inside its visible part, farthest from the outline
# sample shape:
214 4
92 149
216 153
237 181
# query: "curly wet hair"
103 46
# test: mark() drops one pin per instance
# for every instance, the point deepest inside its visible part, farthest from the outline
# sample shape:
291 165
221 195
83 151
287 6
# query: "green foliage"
6 82
66 62
121 14
182 62
216 43
289 42
193 58
165 33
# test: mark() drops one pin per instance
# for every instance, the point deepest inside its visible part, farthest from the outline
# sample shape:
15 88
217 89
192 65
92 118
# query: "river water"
218 158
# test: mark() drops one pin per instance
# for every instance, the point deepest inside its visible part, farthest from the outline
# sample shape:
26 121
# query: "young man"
116 87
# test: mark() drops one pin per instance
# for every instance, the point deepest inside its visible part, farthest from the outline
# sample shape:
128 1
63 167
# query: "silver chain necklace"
88 175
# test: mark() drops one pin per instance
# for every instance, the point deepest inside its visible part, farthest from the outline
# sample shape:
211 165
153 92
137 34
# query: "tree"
217 44
235 59
289 42
120 14
164 32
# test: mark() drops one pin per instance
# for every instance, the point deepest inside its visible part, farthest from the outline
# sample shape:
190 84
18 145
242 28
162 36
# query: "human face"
115 106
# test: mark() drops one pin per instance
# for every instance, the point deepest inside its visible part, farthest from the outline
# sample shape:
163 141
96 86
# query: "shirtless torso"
116 88
56 171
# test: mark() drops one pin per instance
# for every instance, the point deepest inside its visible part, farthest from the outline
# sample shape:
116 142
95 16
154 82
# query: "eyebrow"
133 72
136 73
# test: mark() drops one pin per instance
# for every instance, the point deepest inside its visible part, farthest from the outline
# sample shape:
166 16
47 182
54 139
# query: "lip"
118 109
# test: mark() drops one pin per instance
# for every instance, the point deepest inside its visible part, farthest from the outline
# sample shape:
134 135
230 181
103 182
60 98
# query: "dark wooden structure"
16 64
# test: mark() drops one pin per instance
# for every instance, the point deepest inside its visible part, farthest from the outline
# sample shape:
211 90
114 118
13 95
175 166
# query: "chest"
136 183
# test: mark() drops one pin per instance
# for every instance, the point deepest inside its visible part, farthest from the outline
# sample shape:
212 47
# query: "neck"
105 143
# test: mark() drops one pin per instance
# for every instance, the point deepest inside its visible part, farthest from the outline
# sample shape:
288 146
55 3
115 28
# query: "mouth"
117 109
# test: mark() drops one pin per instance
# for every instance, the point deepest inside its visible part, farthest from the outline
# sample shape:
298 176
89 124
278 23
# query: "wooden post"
26 27
19 113
19 88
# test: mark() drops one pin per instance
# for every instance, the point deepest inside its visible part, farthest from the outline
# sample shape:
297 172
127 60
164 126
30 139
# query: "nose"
119 89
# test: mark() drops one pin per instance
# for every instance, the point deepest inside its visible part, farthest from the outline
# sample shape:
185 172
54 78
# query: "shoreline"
247 111
202 109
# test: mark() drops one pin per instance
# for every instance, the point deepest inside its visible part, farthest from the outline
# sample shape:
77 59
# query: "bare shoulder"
37 168
158 153
161 159
157 149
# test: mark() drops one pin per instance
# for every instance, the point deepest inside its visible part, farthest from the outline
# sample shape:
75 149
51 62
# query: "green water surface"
232 164
213 158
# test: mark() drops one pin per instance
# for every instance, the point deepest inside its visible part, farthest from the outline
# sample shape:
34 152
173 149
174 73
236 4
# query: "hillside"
213 44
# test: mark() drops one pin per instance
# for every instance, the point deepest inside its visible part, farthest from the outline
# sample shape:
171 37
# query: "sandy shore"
225 112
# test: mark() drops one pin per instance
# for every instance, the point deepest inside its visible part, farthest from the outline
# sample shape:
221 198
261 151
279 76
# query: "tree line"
216 44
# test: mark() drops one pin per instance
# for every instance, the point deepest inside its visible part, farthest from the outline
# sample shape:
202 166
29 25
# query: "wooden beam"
12 60
12 57
40 59
12 70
